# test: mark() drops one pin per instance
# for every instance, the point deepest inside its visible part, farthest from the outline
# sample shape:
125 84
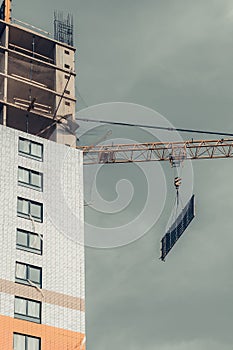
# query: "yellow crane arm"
158 151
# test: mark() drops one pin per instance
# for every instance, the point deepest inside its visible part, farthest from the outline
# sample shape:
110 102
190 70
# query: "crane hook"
177 182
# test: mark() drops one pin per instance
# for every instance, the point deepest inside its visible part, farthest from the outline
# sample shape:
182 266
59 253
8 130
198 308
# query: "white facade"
62 259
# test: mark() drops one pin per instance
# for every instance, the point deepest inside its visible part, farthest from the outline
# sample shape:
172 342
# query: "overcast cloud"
175 57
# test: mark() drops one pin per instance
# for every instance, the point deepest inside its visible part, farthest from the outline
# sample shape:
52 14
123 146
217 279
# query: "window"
67 77
30 178
29 310
67 66
29 241
67 52
30 209
67 103
30 148
28 274
67 92
26 342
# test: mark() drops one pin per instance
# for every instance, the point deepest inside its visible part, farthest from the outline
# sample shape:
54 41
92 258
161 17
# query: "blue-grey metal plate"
177 228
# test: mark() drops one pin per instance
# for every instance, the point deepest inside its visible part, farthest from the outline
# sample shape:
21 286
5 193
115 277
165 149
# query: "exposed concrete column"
65 84
5 38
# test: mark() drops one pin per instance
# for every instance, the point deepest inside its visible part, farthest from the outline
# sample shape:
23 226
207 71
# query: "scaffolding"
63 28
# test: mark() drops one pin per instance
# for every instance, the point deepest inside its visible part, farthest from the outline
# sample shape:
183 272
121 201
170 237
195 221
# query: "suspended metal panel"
177 228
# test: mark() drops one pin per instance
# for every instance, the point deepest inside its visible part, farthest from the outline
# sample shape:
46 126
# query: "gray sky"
175 57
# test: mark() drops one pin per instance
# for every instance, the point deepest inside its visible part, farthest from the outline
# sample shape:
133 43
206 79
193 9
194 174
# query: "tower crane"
174 152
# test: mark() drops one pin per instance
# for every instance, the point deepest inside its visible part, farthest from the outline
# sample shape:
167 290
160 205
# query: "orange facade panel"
51 337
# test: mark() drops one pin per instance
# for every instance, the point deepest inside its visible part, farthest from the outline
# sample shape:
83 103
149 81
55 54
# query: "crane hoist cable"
178 203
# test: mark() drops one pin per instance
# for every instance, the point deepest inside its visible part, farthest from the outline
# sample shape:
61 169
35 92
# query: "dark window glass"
30 178
30 148
28 274
26 342
29 310
29 209
29 241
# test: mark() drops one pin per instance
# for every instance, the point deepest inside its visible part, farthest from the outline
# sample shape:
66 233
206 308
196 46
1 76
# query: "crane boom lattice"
158 151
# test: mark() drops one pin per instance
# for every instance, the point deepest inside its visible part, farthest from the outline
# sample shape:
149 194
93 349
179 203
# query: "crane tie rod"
155 127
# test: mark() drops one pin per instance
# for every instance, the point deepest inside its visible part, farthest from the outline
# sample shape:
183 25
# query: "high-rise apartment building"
42 288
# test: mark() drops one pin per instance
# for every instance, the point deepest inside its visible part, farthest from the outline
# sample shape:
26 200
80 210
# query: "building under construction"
42 283
41 245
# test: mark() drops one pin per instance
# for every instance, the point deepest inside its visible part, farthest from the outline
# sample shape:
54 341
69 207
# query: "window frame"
27 216
28 247
27 317
27 336
30 155
30 185
25 281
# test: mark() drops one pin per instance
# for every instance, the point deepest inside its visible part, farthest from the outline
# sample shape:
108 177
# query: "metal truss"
174 152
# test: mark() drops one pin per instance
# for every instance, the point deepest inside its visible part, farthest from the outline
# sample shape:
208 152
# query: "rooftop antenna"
63 28
5 11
